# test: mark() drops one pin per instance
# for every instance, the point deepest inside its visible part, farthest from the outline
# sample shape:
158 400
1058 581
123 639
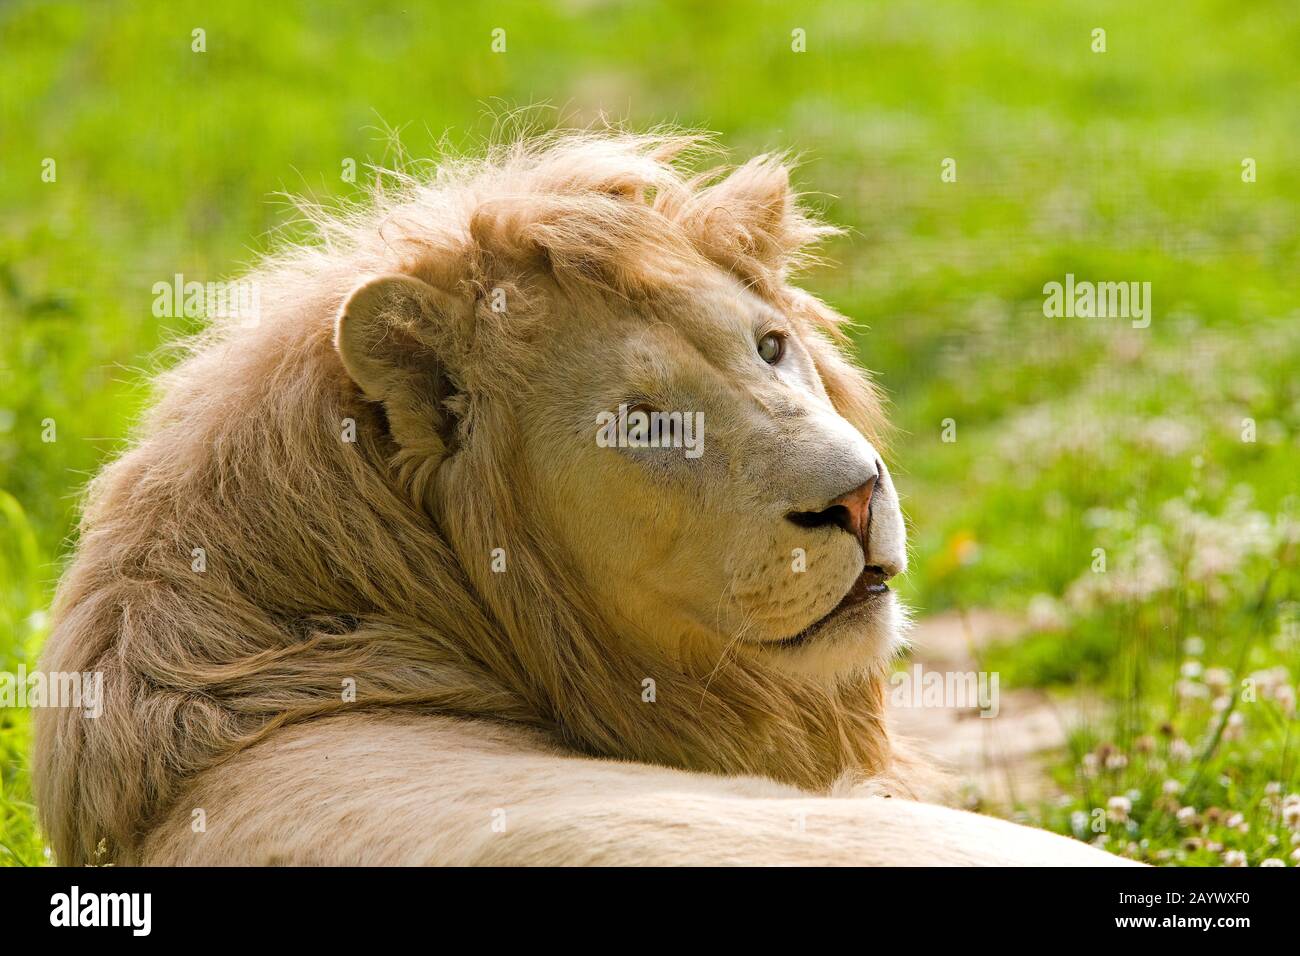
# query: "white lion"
445 613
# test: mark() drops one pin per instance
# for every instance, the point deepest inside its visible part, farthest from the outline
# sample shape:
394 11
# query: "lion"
395 574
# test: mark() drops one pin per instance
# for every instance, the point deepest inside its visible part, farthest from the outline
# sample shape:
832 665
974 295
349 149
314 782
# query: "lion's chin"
867 636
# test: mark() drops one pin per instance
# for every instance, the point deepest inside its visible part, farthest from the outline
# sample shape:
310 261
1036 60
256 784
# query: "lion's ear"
385 336
753 217
758 199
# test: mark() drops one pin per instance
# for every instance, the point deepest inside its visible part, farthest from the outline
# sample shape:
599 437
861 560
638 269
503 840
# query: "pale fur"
331 562
427 790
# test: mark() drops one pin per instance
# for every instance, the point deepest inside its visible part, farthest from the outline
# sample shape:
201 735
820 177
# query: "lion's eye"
771 347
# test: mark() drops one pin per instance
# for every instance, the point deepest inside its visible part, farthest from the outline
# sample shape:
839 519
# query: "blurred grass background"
1072 434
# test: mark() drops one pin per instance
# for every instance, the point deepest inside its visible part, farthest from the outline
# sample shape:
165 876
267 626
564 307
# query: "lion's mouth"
869 587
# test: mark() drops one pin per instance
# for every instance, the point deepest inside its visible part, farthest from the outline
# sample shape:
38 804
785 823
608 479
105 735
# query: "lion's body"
418 790
281 564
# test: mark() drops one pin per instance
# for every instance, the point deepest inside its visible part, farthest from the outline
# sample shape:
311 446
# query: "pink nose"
858 505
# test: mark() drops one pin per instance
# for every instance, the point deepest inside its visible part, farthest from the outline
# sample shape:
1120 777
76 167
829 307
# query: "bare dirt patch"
995 761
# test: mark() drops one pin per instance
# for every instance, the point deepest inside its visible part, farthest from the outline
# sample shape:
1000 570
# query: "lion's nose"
850 511
855 510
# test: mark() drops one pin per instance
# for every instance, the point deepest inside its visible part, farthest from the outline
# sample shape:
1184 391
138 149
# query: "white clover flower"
1271 680
1186 816
1168 436
1116 761
1234 858
1291 815
1218 679
1179 749
1233 729
1117 808
1171 787
1191 669
1272 861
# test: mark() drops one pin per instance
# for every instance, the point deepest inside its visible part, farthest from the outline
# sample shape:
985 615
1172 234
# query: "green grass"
1072 434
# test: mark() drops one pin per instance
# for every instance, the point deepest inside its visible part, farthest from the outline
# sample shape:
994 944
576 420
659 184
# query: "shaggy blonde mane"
328 562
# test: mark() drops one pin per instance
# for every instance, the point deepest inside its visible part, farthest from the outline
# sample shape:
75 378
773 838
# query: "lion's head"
425 471
664 423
